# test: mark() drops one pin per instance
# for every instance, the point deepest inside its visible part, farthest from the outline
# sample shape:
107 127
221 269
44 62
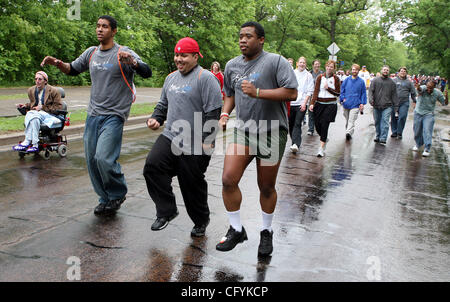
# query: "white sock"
25 143
235 220
266 221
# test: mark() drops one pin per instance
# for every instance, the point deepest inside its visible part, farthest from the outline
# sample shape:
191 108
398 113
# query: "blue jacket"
354 91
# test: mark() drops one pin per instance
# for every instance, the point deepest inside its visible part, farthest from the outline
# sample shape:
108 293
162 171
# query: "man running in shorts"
258 84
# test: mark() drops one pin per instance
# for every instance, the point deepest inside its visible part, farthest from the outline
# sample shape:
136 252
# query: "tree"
29 30
426 26
336 10
213 24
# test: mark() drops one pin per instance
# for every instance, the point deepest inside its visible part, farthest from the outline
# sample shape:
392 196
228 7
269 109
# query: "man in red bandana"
190 105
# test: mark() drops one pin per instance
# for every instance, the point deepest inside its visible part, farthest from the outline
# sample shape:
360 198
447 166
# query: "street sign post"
333 49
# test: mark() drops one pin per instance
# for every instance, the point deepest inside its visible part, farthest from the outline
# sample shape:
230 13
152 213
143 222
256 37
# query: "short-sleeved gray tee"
109 92
267 71
187 99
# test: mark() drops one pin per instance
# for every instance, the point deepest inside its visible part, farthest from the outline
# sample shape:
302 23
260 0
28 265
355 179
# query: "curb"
77 130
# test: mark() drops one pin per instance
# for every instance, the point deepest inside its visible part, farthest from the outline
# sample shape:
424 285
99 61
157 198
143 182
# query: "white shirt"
324 93
365 75
305 86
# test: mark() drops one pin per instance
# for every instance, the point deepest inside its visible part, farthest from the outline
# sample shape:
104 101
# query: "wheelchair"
50 139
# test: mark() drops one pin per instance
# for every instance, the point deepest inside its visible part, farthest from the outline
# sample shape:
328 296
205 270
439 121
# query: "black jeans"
162 165
324 114
295 124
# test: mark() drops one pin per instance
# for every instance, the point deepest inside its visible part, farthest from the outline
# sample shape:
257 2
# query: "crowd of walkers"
270 99
390 95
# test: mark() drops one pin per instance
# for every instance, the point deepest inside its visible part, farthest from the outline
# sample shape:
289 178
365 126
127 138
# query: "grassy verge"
13 96
15 124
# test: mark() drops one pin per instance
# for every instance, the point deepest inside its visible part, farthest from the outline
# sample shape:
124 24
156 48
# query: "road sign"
334 58
333 49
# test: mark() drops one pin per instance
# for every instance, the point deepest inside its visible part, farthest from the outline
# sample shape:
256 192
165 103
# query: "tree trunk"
333 30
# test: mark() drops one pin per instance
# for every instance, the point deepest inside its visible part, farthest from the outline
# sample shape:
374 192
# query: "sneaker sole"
161 227
166 224
220 248
198 234
119 205
260 254
193 234
105 213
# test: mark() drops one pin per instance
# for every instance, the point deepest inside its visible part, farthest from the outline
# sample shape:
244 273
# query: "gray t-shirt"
405 88
187 99
315 75
110 93
267 71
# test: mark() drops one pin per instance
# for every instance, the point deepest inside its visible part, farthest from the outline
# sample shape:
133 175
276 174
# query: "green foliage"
10 124
426 27
30 30
18 96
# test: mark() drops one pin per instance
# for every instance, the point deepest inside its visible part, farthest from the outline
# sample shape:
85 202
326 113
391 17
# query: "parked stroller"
50 139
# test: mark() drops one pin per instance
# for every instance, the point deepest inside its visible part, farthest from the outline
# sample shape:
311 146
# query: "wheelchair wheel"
62 150
46 154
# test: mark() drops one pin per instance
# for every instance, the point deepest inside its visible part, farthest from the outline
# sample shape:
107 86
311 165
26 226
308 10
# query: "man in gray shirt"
405 90
191 101
258 84
112 70
383 98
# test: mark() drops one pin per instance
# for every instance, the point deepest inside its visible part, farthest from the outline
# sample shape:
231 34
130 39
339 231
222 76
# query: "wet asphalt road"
365 212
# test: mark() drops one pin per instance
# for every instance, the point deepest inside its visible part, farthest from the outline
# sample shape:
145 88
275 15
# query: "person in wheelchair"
44 108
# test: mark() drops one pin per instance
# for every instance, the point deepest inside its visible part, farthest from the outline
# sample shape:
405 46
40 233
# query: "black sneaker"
394 135
100 209
265 245
377 140
114 205
199 230
399 136
231 239
383 143
161 222
348 136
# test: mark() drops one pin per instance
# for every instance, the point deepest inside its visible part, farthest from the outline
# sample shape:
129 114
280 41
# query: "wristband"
257 93
224 114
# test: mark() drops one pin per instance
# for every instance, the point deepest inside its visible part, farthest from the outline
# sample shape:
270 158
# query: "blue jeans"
423 130
381 117
33 121
397 125
102 144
